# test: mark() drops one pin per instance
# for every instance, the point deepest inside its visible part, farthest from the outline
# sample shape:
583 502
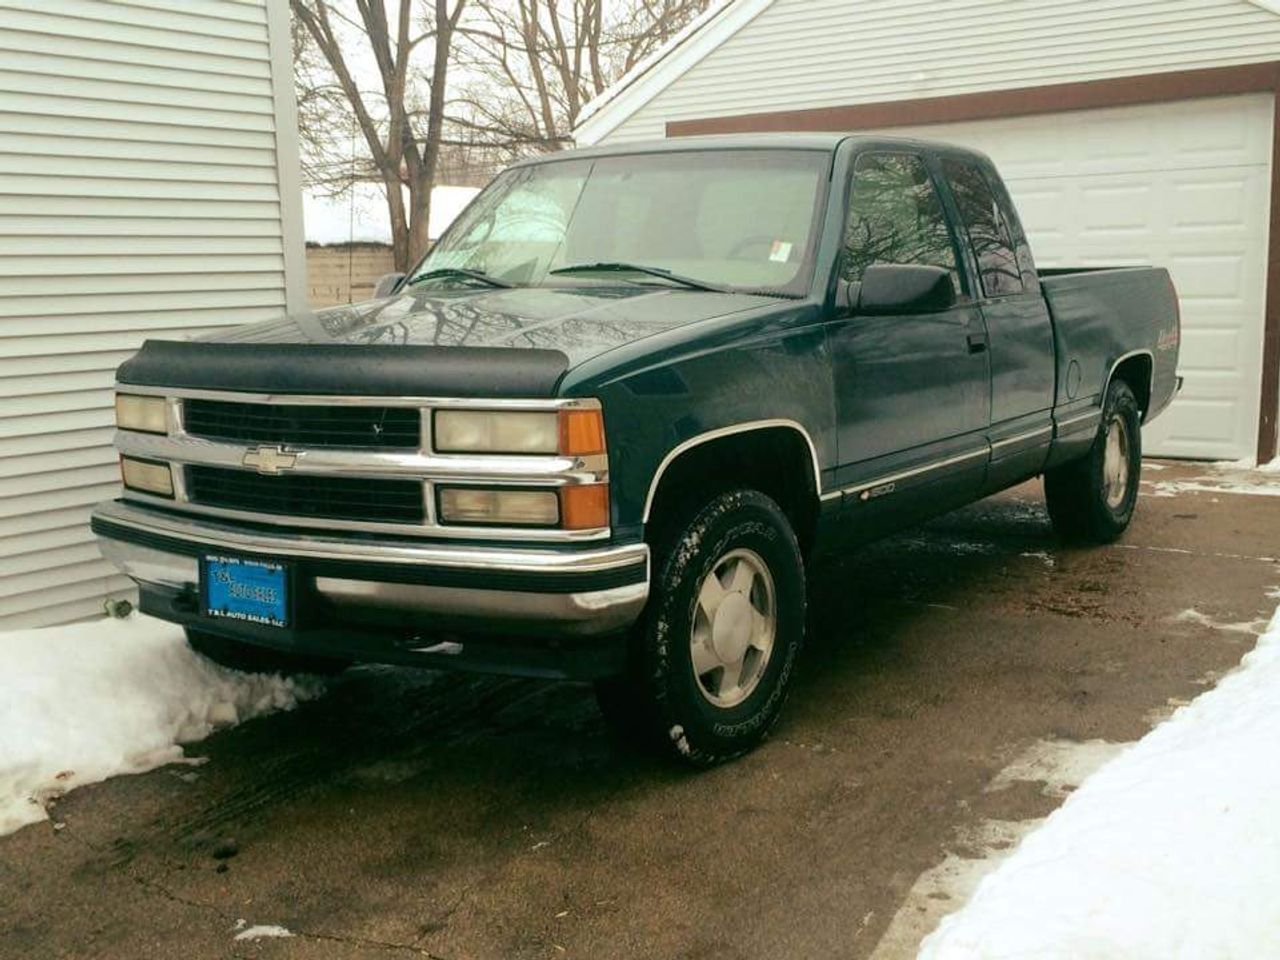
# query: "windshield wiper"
441 272
620 267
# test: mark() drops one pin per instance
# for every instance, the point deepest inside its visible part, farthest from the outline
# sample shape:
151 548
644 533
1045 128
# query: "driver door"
913 392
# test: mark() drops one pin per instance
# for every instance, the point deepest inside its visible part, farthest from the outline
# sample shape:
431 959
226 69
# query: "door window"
895 216
987 226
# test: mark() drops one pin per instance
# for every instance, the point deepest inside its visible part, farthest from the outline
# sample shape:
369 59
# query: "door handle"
977 342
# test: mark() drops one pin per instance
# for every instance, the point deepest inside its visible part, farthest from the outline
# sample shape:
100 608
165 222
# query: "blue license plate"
256 591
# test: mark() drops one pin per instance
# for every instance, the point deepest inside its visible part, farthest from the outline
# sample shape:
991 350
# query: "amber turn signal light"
581 432
584 507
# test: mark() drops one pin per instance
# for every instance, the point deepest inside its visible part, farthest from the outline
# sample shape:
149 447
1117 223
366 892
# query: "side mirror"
386 285
893 289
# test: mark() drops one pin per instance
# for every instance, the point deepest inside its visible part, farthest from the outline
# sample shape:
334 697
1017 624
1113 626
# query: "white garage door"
1183 185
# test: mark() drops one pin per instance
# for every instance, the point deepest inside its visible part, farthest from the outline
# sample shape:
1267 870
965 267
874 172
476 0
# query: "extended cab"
604 426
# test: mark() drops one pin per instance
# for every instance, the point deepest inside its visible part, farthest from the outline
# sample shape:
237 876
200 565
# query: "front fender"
761 379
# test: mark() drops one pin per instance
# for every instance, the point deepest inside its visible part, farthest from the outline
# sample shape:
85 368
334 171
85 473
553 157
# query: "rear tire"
712 656
1092 499
248 658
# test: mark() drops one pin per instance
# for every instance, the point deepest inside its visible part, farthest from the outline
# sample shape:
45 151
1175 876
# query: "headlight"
512 508
147 476
570 432
494 431
148 414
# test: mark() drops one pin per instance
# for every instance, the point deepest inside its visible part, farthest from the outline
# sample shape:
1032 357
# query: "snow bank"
1171 851
88 701
262 931
1226 476
1249 463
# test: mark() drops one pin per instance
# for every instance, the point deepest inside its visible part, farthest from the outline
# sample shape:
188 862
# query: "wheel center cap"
731 631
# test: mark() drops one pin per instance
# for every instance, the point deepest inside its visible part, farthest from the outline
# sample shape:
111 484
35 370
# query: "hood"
579 322
497 343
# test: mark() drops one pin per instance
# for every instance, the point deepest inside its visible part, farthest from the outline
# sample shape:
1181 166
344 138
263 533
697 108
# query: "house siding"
797 54
145 170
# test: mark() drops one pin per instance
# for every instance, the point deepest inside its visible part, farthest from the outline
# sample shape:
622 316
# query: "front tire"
1092 499
248 658
712 657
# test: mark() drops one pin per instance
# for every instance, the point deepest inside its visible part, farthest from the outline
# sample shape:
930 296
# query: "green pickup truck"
605 426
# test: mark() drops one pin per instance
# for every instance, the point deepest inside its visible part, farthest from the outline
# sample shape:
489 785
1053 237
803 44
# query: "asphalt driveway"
417 814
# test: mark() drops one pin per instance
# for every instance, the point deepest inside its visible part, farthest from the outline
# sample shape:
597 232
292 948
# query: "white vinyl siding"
143 192
797 54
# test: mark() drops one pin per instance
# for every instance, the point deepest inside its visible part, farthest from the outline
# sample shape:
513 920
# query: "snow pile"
262 931
1254 484
1249 463
1170 851
1226 476
88 701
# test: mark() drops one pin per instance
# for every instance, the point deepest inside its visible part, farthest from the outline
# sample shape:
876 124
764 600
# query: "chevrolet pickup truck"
604 427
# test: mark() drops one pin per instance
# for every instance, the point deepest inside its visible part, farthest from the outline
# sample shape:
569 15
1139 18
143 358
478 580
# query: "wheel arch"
708 461
1137 369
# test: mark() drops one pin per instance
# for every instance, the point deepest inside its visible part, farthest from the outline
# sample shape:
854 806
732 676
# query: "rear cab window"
993 232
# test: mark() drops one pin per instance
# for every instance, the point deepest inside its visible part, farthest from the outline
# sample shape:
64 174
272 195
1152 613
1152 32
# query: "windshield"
736 219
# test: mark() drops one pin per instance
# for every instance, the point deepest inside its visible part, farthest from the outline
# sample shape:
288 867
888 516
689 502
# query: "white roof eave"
664 66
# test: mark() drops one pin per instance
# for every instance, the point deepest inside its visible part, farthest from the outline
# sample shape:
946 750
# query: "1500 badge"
872 492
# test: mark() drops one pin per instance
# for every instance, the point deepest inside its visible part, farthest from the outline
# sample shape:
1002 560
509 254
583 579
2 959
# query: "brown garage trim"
1056 98
1267 427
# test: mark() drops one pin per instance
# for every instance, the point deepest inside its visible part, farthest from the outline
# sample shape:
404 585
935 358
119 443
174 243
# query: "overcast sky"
364 217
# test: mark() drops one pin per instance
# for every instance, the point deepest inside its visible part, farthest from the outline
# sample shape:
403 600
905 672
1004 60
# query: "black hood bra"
514 342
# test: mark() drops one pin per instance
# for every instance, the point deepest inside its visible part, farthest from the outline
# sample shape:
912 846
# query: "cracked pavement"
451 817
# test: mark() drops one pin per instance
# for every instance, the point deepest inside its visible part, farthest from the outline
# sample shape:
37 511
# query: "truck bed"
1102 315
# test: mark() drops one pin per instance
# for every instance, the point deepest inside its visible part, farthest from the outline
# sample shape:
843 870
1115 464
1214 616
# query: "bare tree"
535 64
401 131
325 122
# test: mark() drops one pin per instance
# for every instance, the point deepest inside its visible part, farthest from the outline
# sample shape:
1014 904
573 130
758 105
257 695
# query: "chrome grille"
304 425
302 495
233 455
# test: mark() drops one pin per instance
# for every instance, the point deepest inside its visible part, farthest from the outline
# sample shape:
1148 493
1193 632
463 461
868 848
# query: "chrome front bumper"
570 591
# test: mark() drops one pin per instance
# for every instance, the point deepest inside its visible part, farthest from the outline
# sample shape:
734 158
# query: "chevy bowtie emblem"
269 459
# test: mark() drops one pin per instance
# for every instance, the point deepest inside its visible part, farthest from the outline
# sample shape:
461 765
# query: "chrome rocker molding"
1044 431
581 613
1090 416
745 427
908 474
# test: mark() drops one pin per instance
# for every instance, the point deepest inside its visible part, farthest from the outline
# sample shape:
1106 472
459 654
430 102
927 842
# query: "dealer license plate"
256 591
